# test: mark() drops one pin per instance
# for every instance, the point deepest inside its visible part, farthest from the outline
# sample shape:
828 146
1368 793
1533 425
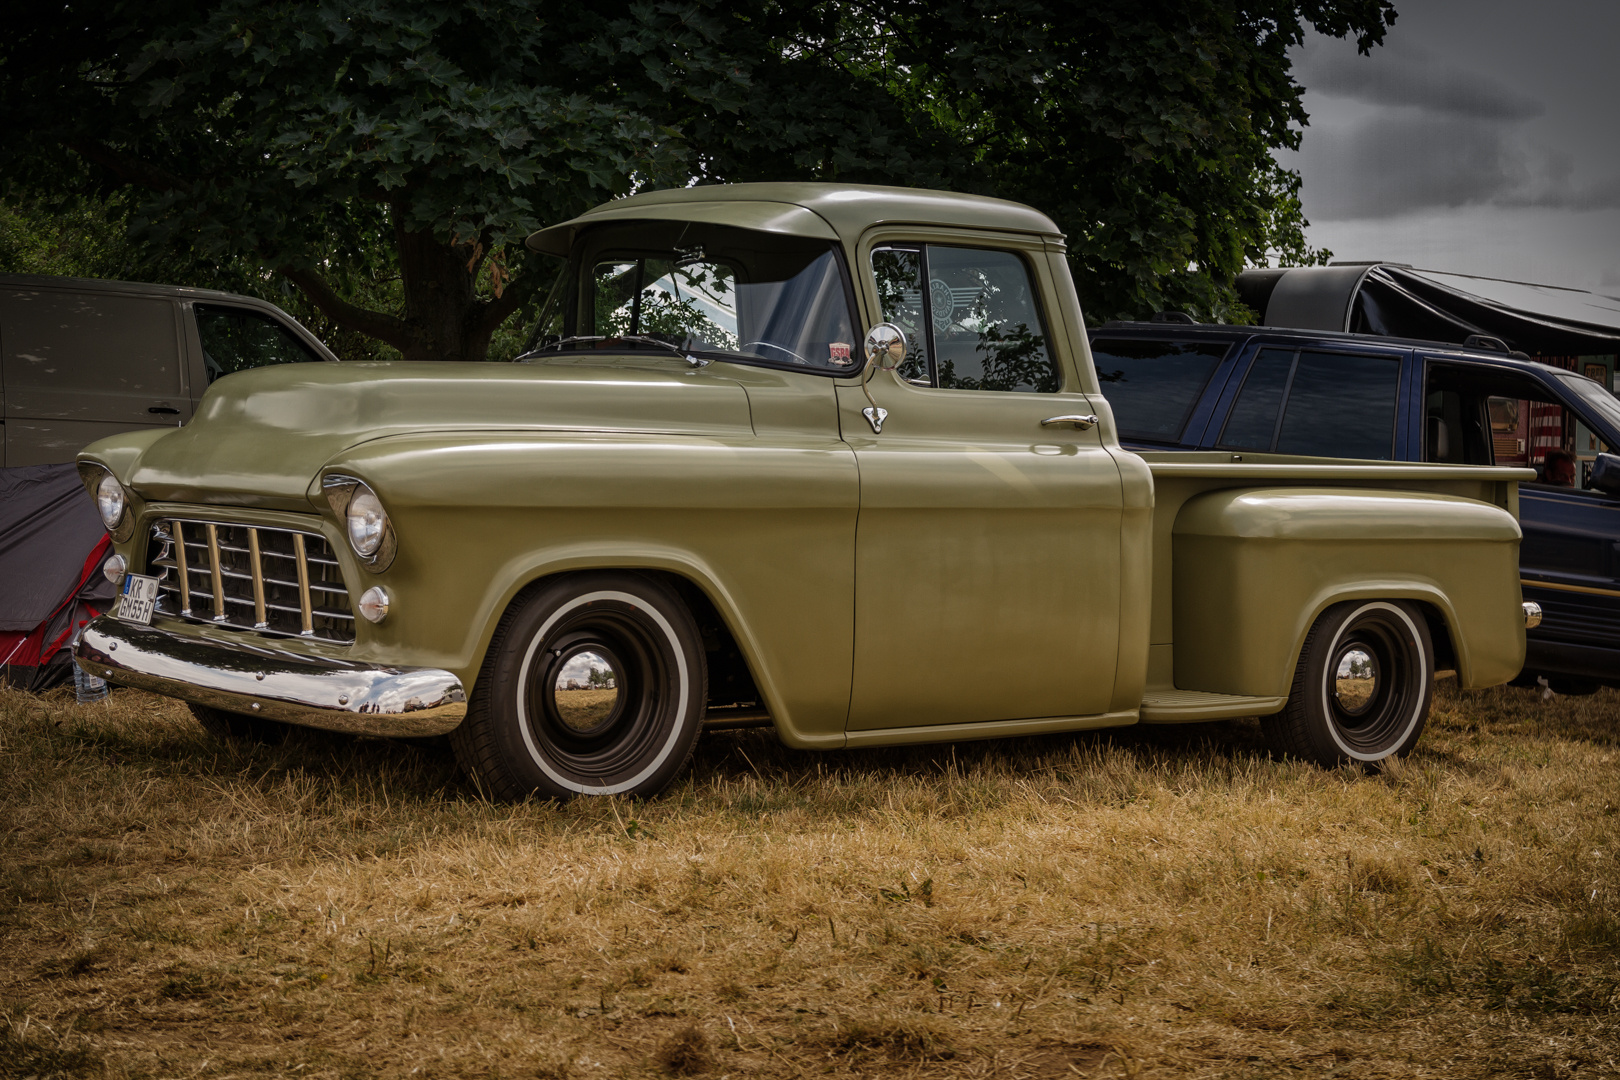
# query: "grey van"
81 359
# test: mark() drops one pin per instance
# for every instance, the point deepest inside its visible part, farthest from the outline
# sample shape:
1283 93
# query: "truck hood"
260 437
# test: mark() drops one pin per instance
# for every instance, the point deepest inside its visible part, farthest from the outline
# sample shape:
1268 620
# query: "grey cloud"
1407 76
1396 163
1392 166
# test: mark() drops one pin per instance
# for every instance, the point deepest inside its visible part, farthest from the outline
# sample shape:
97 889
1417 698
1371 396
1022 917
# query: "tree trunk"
444 317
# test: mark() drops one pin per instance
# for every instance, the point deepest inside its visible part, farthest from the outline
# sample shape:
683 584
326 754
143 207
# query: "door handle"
1081 422
164 410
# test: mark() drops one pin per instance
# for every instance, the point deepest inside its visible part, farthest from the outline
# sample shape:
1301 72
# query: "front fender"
767 532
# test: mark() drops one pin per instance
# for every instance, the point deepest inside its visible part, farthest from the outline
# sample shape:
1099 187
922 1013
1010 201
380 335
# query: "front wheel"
594 685
1362 687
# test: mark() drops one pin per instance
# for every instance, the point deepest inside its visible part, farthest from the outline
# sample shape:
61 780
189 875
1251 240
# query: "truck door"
987 549
81 365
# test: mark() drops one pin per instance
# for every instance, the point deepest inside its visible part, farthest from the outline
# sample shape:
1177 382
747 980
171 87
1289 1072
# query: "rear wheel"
240 727
1362 687
594 685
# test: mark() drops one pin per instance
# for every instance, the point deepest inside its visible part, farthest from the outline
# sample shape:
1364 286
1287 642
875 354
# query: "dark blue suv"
1237 388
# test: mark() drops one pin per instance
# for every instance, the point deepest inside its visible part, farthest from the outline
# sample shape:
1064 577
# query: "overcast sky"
1482 137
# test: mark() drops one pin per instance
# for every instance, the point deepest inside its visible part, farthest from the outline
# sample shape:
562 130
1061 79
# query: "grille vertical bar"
213 570
185 579
259 621
262 579
303 585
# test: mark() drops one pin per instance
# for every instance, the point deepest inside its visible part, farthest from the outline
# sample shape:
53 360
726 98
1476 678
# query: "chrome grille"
273 581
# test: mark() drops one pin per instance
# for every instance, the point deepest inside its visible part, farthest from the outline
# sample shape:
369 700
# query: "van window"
235 339
1152 386
88 356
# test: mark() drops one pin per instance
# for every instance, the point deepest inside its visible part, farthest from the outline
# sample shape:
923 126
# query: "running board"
1167 705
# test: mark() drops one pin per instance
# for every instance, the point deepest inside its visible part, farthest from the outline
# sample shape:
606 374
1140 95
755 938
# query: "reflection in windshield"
711 290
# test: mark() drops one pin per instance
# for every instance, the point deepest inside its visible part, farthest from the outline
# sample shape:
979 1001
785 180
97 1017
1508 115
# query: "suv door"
1569 562
80 365
987 563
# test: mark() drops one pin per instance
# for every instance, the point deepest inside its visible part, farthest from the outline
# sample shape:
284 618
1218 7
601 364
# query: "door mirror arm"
1606 474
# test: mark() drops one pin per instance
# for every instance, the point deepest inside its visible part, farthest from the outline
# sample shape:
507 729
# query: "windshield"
707 290
1599 400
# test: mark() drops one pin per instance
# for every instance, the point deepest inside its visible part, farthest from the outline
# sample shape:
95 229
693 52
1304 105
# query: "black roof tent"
1562 326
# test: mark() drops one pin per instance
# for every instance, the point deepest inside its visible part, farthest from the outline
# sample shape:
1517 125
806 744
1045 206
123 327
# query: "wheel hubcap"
1356 680
585 692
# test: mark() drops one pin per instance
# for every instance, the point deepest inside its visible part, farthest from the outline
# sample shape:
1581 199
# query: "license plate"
135 603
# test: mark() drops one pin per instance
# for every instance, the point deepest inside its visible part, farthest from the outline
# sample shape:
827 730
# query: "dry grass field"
1141 903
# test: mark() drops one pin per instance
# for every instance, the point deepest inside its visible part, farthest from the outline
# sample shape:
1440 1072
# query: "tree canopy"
387 156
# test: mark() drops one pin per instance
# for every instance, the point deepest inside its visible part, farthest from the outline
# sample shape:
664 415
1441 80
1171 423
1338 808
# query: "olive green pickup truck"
829 458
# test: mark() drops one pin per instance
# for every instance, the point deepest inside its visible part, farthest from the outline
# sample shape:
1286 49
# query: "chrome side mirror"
885 346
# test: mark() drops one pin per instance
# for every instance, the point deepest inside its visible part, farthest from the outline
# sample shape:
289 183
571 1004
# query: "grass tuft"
685 1053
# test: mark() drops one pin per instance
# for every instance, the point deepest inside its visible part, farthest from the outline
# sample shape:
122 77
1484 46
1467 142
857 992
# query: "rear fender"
1254 568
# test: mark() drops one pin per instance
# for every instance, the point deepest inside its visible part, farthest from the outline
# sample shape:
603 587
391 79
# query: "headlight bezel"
341 491
94 475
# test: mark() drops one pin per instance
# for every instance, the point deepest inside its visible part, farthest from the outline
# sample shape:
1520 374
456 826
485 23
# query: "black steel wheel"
240 727
1362 687
594 685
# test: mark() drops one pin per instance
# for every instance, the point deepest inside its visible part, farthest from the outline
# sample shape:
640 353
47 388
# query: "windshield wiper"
639 338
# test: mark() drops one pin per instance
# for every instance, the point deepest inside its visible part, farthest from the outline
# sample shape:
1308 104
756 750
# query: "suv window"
236 339
1152 386
1317 404
976 326
1539 432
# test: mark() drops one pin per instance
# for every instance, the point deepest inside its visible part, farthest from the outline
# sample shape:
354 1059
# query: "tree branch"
130 170
375 324
488 317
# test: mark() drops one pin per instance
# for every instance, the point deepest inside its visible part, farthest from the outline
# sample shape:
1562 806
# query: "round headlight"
367 522
110 501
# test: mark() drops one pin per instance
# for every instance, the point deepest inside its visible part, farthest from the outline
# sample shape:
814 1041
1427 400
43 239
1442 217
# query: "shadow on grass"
152 735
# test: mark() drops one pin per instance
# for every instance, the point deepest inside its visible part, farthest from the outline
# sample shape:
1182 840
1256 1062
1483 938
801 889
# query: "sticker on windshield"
839 353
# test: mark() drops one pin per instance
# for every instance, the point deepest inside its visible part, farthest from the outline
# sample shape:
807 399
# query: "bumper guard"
361 699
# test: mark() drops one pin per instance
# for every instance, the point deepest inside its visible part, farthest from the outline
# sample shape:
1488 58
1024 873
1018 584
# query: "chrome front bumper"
358 698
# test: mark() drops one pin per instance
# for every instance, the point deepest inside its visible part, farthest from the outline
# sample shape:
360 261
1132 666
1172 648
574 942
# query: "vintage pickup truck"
693 502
